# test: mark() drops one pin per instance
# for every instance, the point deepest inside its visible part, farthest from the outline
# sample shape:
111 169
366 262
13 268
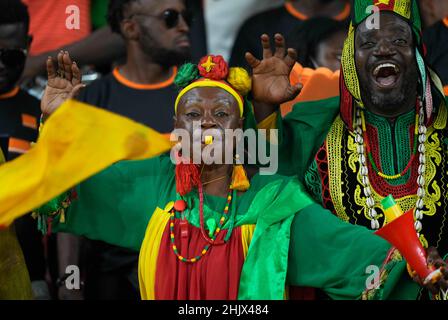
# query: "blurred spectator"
221 33
54 27
319 43
19 118
156 40
433 11
435 18
283 20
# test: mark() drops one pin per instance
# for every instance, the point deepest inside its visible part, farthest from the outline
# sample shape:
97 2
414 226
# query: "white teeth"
385 65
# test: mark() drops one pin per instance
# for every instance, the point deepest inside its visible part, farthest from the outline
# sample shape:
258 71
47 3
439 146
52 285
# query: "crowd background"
131 71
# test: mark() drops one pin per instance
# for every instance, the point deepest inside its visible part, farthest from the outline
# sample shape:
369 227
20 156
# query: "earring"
240 181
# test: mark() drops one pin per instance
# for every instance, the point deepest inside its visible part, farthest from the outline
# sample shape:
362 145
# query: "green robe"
302 132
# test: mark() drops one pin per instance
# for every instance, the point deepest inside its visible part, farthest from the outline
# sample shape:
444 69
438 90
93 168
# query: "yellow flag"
76 142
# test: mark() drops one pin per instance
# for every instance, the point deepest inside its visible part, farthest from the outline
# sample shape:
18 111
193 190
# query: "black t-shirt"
436 40
284 20
19 121
152 105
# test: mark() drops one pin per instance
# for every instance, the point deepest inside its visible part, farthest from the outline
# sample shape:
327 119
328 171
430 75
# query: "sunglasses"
170 17
13 57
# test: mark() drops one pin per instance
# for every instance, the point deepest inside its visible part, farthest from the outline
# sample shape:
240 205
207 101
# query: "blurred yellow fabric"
14 279
76 142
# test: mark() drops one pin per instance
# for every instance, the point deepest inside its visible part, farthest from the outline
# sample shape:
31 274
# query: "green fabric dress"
296 242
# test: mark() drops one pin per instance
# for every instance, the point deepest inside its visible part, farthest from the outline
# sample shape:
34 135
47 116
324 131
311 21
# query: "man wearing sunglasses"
19 117
156 36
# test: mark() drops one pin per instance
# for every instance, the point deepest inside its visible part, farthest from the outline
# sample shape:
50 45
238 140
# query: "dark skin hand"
435 260
270 77
312 8
63 83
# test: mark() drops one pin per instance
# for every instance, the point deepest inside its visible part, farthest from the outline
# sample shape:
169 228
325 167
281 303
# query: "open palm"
270 76
62 85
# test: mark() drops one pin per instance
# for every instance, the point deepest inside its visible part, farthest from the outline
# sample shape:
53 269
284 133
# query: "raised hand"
270 76
62 85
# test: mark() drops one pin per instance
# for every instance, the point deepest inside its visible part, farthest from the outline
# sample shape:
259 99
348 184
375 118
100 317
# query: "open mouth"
386 74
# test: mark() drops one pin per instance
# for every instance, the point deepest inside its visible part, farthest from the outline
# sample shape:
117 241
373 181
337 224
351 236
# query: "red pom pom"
213 67
180 205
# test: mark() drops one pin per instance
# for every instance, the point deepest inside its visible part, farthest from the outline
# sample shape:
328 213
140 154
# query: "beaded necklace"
211 241
364 173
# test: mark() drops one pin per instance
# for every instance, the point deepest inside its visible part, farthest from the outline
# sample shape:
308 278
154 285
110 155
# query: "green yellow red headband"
211 83
212 71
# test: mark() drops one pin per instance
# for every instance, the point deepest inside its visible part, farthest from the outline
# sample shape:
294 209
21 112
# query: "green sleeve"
115 205
302 132
332 255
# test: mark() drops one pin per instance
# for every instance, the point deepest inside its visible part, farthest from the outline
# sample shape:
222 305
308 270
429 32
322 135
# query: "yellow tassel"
239 178
62 218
